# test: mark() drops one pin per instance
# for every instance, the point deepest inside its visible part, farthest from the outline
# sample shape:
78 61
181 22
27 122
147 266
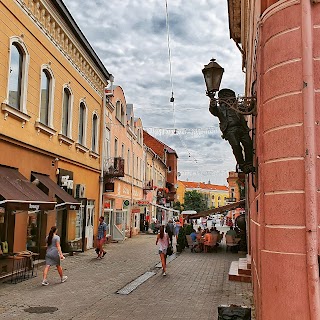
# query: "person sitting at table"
214 230
193 235
233 233
208 237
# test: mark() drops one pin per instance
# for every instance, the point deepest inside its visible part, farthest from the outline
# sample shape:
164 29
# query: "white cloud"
130 38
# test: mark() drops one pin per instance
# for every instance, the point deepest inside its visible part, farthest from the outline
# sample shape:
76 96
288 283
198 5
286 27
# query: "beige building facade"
123 167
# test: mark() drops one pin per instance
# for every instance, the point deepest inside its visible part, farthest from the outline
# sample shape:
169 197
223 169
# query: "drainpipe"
310 159
103 122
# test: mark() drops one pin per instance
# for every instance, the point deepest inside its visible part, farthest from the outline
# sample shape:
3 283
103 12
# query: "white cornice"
278 6
47 20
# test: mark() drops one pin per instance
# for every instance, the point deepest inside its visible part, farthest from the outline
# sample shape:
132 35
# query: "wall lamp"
213 73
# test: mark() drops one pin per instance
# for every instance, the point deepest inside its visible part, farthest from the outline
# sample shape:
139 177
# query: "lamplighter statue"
230 111
234 128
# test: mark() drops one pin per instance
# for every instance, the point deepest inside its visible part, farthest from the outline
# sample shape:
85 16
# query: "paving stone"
196 284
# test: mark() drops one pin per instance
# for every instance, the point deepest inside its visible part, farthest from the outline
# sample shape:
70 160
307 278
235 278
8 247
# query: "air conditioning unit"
80 191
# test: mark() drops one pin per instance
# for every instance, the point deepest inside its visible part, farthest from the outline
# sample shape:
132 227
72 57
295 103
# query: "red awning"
65 200
231 206
18 193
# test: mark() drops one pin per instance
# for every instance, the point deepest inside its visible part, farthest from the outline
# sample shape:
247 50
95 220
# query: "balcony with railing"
148 185
113 167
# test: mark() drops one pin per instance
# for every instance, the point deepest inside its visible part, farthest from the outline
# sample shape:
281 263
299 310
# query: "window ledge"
63 139
81 148
93 154
44 128
10 111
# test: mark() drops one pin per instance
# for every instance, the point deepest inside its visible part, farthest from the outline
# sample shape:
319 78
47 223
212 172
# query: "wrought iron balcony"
148 185
114 167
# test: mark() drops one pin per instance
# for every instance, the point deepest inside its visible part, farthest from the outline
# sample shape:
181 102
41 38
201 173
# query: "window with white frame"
82 123
118 110
116 147
122 151
123 114
18 75
128 161
108 154
94 141
46 96
66 112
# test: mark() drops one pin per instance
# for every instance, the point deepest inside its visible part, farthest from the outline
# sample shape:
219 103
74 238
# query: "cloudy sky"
131 39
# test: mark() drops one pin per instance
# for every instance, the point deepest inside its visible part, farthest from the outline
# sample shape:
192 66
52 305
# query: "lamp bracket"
243 105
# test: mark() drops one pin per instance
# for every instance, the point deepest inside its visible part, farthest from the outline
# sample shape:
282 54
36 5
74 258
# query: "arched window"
18 75
66 112
45 97
94 142
15 76
82 124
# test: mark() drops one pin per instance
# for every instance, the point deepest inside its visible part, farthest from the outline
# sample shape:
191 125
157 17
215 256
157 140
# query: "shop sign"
107 204
135 210
142 203
126 203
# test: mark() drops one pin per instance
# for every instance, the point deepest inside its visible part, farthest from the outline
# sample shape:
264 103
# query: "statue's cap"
226 93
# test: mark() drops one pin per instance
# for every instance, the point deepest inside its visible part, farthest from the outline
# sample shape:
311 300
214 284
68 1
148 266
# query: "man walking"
101 238
170 230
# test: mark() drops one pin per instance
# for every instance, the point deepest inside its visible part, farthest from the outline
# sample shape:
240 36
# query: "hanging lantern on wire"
172 98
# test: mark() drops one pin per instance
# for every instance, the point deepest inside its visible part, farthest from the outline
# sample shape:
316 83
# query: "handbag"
169 251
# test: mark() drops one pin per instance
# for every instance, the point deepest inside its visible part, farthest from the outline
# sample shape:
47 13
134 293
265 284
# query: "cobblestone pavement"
196 283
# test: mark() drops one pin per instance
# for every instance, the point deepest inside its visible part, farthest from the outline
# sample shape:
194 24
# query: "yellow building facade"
51 93
214 195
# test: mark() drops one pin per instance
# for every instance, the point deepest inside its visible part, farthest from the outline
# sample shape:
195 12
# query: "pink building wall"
279 211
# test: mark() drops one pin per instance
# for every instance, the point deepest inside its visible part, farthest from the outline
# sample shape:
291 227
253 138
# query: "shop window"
18 73
79 223
119 218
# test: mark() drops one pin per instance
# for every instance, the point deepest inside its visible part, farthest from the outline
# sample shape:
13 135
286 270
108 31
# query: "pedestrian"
53 256
163 243
101 238
170 230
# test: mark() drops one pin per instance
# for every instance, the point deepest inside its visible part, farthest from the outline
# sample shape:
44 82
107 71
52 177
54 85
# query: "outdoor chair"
212 243
191 244
231 242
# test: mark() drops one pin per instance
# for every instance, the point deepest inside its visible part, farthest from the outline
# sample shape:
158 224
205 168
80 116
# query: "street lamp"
213 73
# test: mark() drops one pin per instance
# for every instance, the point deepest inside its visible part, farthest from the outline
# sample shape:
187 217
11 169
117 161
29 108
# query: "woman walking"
53 256
163 243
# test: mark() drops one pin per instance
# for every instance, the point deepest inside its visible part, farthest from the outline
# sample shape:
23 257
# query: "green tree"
194 200
178 206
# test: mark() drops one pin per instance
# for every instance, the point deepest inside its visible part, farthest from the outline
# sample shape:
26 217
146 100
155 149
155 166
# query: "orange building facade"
51 89
280 46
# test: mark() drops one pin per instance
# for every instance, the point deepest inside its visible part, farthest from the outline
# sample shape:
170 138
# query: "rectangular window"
115 147
128 161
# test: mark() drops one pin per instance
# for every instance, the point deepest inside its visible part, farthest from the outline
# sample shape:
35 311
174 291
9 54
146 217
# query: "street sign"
126 203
